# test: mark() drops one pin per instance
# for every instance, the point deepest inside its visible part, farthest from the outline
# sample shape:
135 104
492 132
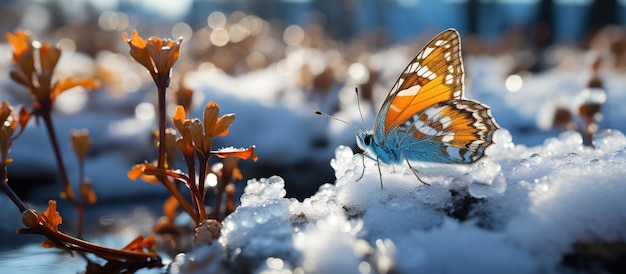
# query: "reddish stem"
162 87
171 187
193 188
218 204
46 108
72 243
4 185
203 172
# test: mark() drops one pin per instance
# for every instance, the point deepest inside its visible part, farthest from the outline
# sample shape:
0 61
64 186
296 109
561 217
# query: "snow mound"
518 210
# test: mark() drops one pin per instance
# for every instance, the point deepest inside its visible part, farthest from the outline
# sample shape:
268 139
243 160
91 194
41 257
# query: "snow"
528 211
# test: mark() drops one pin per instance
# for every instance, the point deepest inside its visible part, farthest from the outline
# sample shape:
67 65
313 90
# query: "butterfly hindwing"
434 75
456 131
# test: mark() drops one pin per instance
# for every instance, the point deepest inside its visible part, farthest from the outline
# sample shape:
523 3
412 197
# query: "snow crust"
518 210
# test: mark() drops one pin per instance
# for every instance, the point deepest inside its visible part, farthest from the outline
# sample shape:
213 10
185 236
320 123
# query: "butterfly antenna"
358 103
336 119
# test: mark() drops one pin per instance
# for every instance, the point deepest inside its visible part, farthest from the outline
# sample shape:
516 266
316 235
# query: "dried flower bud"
81 142
30 219
207 231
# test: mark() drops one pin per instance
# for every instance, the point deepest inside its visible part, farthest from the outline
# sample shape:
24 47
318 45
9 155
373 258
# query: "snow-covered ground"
520 209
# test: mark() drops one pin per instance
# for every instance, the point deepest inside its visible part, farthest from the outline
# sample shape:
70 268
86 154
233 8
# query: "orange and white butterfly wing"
434 75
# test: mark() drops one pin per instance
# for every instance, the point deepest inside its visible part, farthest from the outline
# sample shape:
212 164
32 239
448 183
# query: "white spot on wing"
412 67
427 130
427 51
449 137
445 121
423 70
418 123
449 79
409 91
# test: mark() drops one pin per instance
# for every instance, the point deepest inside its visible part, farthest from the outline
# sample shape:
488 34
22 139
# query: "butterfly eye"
367 140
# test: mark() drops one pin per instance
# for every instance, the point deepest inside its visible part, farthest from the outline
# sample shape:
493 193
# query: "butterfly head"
365 141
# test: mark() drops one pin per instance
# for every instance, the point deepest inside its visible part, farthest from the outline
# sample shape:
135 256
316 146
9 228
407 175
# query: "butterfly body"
425 117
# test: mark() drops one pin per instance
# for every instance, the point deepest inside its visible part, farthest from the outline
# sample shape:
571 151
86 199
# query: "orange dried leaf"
48 56
23 54
138 50
241 153
179 117
80 141
221 127
146 171
210 115
155 54
20 40
52 216
68 193
65 84
87 193
140 244
237 174
24 116
5 111
169 207
135 172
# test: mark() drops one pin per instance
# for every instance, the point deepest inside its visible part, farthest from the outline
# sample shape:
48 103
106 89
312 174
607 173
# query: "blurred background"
543 66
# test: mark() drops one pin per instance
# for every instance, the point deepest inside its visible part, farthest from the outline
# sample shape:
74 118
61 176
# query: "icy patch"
262 220
328 246
609 140
487 179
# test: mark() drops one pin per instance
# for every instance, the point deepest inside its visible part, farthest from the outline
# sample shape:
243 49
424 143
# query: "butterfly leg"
362 172
414 171
380 174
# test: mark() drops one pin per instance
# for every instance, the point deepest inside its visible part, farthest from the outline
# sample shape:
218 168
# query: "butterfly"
425 117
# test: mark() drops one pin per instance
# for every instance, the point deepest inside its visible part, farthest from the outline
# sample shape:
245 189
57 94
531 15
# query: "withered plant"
196 136
34 69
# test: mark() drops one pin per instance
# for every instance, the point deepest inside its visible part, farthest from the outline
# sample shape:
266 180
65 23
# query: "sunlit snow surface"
524 209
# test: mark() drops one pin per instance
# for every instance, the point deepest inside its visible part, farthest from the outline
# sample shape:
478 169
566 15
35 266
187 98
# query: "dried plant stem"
80 207
4 185
69 242
171 187
79 245
162 87
218 204
194 191
203 172
162 83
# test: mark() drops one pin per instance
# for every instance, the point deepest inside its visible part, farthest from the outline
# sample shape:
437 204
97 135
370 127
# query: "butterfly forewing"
435 75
